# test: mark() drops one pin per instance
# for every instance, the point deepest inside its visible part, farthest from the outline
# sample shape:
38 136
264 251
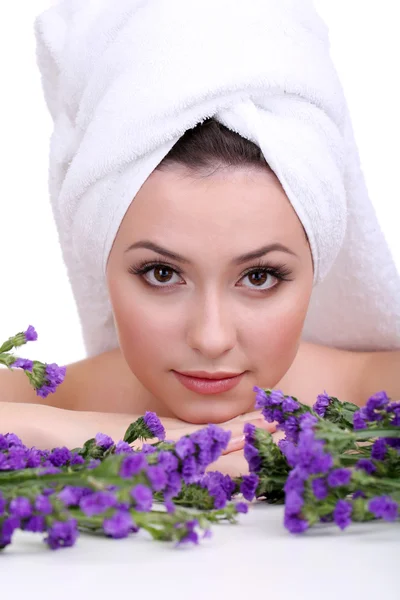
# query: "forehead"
176 204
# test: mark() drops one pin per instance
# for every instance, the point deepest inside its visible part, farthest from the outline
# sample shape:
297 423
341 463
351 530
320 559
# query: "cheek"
275 338
142 328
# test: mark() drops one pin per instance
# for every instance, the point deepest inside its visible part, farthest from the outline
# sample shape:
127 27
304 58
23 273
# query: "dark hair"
209 144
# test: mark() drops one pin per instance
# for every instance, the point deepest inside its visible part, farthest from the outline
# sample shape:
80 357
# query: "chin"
203 412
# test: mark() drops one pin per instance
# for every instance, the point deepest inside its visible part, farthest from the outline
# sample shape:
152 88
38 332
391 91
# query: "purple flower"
293 503
393 442
342 514
291 428
104 441
261 397
185 447
209 443
248 487
359 421
7 528
319 488
367 465
271 403
148 449
190 534
54 376
154 425
30 334
33 458
309 453
123 448
97 503
339 477
119 525
43 505
384 507
35 524
132 465
251 453
157 477
190 470
174 485
358 494
76 459
16 459
71 496
168 461
377 402
2 504
394 407
295 480
307 421
60 456
50 470
13 440
62 534
20 507
322 403
170 506
143 497
219 486
23 363
379 449
295 524
241 507
289 405
219 440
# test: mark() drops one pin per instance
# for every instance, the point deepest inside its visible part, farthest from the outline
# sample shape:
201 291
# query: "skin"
206 313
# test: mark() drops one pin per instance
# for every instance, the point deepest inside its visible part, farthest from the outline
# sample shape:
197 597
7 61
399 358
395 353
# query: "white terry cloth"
123 80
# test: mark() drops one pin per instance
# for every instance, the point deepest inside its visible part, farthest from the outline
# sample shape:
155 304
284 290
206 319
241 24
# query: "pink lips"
210 384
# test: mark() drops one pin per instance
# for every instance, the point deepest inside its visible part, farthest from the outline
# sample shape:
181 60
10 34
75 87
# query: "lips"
208 383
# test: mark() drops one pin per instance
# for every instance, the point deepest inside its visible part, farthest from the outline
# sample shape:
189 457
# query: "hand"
233 464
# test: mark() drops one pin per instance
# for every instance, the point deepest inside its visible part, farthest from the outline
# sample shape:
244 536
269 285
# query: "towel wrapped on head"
123 81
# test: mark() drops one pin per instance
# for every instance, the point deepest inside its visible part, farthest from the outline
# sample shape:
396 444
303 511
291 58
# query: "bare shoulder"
320 368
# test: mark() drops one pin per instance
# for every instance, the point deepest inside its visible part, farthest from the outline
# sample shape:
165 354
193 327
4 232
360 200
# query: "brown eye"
258 278
162 274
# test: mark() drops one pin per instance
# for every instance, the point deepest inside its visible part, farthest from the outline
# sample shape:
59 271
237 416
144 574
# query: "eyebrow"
147 244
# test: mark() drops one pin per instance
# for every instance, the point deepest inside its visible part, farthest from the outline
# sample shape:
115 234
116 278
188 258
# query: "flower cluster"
325 473
45 378
110 488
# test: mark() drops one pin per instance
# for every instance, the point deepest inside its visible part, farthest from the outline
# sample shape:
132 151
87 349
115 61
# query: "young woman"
204 181
205 309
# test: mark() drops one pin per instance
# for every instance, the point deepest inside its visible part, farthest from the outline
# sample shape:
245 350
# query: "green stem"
365 434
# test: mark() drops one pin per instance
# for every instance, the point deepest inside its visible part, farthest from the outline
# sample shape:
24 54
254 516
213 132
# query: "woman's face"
186 298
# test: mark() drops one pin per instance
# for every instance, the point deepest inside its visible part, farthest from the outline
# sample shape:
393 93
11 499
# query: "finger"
252 417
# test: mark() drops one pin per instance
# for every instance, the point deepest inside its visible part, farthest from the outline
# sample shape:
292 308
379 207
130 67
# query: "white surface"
256 558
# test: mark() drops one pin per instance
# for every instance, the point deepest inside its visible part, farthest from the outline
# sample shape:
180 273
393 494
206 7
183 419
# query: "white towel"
124 80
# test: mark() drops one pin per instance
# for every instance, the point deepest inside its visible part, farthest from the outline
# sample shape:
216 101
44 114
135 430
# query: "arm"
47 426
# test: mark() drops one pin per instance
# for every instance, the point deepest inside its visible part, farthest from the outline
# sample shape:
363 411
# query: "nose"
211 329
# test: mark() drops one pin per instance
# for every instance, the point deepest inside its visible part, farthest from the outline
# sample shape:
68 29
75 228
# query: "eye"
157 275
263 278
260 279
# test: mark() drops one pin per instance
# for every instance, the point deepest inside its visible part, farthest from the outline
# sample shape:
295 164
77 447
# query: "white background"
33 284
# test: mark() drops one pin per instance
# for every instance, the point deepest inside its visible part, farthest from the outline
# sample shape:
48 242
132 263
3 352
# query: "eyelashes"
280 273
